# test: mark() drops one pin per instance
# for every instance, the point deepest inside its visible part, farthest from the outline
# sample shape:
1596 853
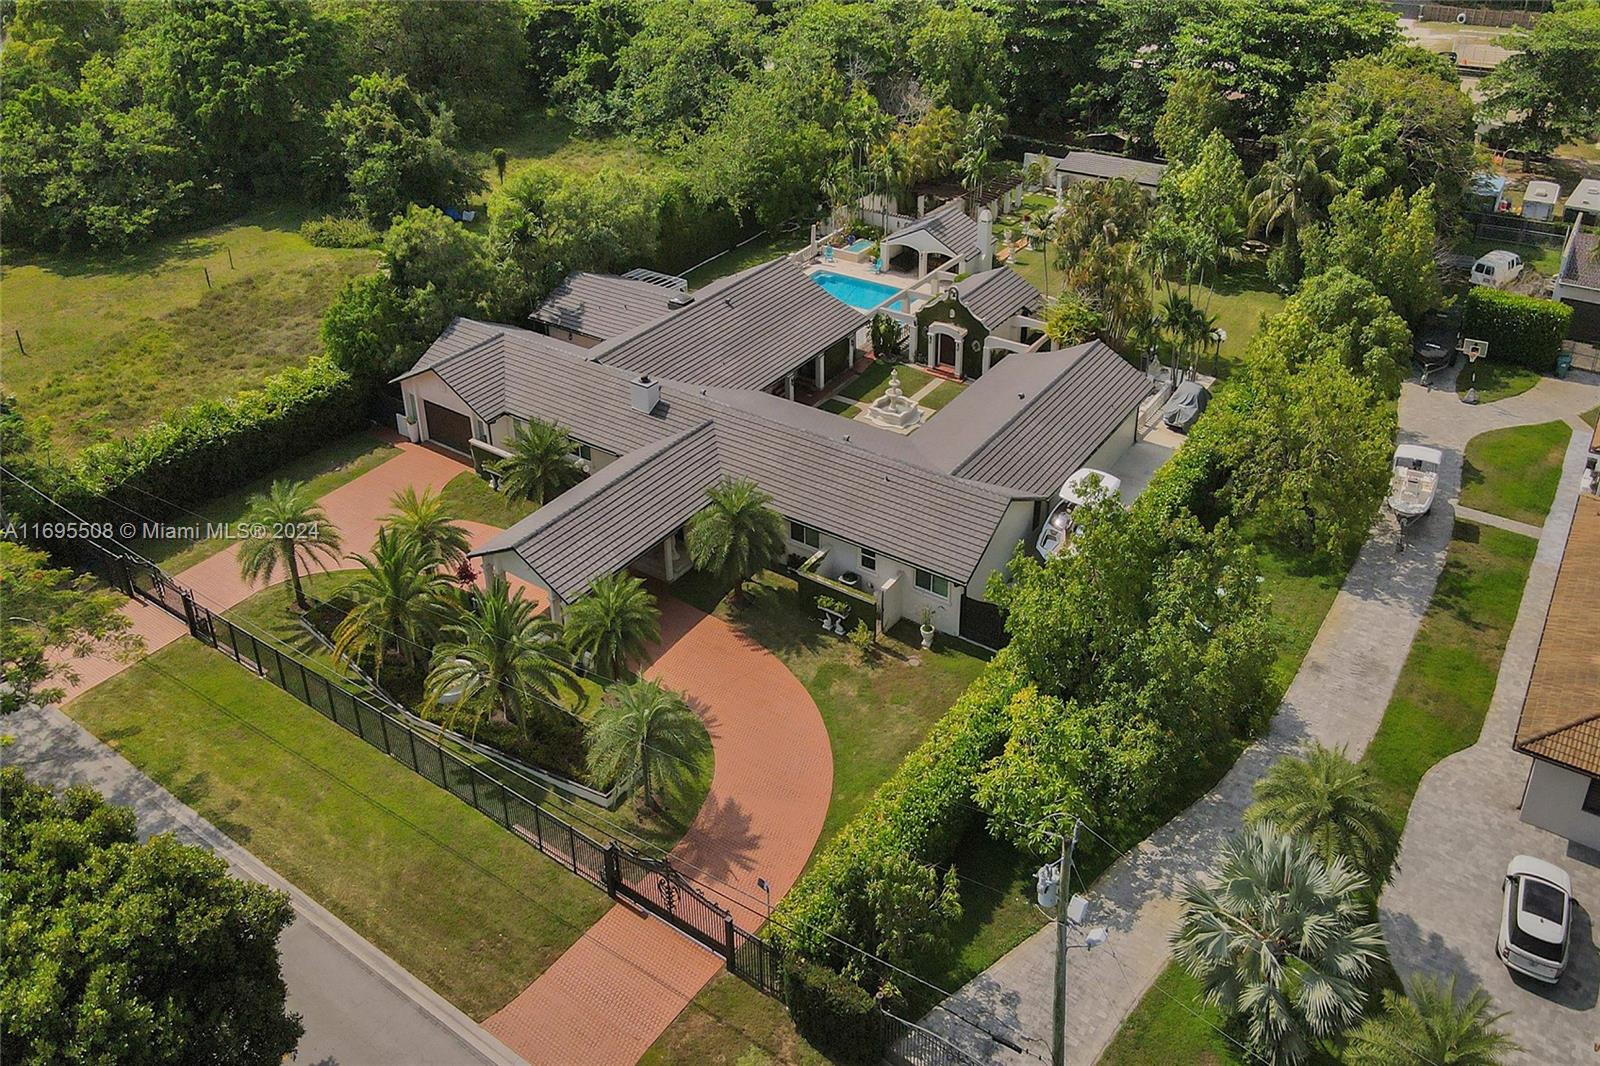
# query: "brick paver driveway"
617 989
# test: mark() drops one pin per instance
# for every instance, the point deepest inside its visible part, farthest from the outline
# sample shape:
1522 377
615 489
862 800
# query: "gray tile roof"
1034 418
949 225
994 296
741 332
603 305
606 521
1102 165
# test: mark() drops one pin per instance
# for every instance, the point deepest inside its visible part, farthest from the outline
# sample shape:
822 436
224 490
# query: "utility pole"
1058 1033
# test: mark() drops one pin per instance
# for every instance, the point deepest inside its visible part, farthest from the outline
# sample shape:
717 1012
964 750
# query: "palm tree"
541 465
1185 328
426 521
294 531
1332 803
395 602
1431 1025
1280 939
737 534
614 623
499 659
1291 188
643 729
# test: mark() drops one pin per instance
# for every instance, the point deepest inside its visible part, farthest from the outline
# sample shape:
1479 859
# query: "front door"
449 428
944 350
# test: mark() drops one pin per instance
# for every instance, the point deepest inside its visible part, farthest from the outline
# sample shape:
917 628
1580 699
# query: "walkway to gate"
618 988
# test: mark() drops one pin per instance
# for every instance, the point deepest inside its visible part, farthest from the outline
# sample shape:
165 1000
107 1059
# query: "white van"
1496 268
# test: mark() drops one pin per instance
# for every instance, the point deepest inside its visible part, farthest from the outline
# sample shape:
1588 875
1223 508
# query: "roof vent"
646 394
680 299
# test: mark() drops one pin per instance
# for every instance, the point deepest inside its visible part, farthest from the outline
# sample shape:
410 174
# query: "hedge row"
1524 330
922 812
214 447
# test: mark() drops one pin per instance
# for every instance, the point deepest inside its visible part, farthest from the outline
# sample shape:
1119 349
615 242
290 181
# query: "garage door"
447 427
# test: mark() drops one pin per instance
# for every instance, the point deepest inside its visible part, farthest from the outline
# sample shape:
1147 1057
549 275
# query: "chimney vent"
646 394
680 299
985 240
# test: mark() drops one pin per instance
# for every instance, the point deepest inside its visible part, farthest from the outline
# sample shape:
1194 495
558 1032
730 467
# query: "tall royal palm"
541 465
737 534
1280 939
395 602
287 528
1431 1025
425 520
613 624
1292 188
1324 798
500 660
643 730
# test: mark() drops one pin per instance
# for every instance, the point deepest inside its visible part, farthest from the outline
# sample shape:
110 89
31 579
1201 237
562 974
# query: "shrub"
838 1016
1524 330
339 231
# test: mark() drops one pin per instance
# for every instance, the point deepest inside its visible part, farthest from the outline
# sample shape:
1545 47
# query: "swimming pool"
859 246
859 293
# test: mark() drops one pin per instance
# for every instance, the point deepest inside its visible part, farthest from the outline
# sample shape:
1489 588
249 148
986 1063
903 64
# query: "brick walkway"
618 988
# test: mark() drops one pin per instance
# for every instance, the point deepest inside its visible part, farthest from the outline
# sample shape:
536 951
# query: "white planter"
927 636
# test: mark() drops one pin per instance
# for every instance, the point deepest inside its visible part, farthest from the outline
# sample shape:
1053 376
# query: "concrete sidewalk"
358 1005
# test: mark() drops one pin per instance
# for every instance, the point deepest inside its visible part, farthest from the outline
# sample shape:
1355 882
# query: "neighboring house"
1097 166
974 323
1539 200
1560 723
1577 283
922 519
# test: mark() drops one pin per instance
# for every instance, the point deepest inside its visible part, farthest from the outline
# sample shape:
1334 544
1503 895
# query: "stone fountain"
894 410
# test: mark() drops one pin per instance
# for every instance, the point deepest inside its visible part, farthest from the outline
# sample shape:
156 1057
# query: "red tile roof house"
699 392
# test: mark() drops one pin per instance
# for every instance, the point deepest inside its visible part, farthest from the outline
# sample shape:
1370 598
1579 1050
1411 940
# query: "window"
1591 798
805 535
932 583
582 451
411 405
479 430
869 559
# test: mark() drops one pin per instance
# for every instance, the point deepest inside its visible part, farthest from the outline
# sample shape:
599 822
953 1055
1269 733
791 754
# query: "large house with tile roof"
665 410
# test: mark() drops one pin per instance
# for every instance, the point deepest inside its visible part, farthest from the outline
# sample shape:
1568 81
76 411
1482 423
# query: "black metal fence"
653 884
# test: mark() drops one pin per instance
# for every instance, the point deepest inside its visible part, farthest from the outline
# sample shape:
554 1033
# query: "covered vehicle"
1413 482
1535 919
1436 342
1188 401
1085 486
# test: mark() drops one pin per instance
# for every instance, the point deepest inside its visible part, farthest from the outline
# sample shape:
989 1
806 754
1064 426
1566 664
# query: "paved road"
1338 698
358 1005
1441 913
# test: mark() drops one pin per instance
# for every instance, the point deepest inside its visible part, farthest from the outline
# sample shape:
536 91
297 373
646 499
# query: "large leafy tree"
737 535
502 660
1431 1024
1195 108
542 465
1322 797
395 603
1280 939
426 520
957 54
1390 243
138 953
286 527
1548 90
676 70
397 150
647 732
52 616
614 623
1340 314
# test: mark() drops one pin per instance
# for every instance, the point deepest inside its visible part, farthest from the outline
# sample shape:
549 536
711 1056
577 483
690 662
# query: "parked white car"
1085 486
1498 268
1535 919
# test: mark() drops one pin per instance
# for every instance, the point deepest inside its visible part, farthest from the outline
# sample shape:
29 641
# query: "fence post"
727 937
572 846
412 737
472 782
613 870
444 775
188 612
505 808
538 827
355 710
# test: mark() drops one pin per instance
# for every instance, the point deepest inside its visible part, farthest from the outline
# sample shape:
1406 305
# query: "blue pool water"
857 292
860 246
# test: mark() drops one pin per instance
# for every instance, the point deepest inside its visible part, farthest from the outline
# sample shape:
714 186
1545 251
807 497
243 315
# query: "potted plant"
927 627
833 614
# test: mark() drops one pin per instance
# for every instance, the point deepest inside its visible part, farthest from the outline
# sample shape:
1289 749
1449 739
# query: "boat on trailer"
1413 482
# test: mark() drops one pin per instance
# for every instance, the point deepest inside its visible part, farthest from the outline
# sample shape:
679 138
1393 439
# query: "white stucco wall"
429 387
1124 437
904 599
1553 800
1015 527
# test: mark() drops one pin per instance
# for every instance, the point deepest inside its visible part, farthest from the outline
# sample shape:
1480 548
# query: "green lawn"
759 250
1591 416
941 395
1437 708
472 500
1496 381
839 407
874 381
116 341
1302 591
466 906
555 142
1514 472
1546 259
324 470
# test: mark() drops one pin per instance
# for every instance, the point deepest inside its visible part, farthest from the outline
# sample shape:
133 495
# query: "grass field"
116 341
1546 259
550 140
1496 381
874 381
466 906
470 499
1437 708
759 250
1514 472
324 470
